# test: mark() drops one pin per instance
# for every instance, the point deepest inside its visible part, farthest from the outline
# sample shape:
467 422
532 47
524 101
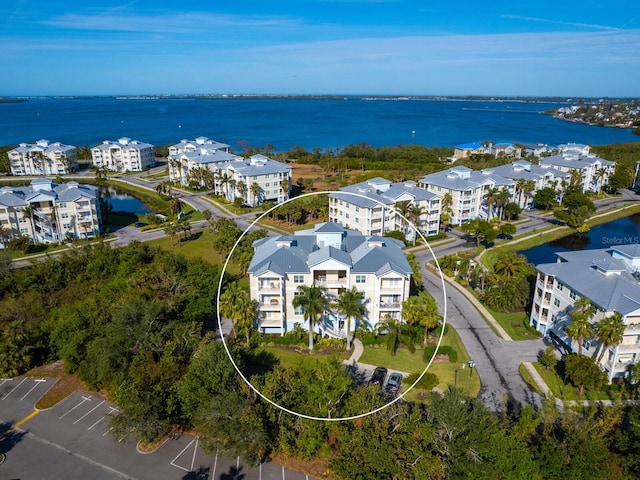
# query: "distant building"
467 189
610 279
504 149
368 207
47 212
536 149
332 257
123 155
595 171
574 148
207 163
43 158
467 149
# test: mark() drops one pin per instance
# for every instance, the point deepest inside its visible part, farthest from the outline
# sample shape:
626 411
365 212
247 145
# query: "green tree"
351 304
548 358
583 373
421 310
396 333
580 327
255 193
513 264
314 301
609 331
481 229
545 197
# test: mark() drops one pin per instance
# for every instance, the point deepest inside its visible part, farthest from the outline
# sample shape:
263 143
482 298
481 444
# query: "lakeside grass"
568 392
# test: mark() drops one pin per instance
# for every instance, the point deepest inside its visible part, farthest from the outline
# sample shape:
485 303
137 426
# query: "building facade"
207 163
123 155
47 212
371 208
610 279
332 257
43 158
466 188
594 171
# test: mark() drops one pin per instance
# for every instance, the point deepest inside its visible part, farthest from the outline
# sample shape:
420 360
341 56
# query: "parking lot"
73 439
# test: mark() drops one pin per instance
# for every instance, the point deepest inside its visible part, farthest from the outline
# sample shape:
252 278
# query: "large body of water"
618 232
285 123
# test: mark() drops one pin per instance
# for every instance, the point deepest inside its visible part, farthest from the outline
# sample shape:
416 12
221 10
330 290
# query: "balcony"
269 286
390 305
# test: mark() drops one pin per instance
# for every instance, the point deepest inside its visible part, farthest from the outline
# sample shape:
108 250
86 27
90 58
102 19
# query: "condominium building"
542 176
43 158
332 257
123 155
610 279
466 189
369 208
255 179
594 171
47 212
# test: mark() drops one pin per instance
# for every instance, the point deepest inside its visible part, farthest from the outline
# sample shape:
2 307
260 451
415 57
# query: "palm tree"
600 174
609 331
229 301
396 333
503 197
284 184
5 235
421 310
172 229
580 327
255 192
246 314
207 215
29 212
314 301
529 188
490 198
404 209
175 206
225 181
575 177
511 264
633 375
520 184
350 304
241 188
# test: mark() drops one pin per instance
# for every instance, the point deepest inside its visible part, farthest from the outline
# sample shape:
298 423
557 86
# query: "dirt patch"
66 384
315 468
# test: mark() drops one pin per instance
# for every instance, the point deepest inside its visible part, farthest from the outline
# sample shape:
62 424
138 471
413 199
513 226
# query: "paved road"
73 440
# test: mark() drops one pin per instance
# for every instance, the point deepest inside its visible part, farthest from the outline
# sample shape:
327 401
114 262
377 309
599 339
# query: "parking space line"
4 380
96 423
89 412
215 465
13 389
105 433
37 382
178 456
283 473
84 399
195 450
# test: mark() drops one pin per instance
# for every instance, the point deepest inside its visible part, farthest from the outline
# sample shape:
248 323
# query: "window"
268 184
298 279
556 302
393 282
572 295
66 225
361 278
560 286
298 310
346 215
24 230
255 177
64 215
62 205
357 209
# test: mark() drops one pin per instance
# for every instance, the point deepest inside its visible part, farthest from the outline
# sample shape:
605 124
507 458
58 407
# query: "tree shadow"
234 473
201 473
9 437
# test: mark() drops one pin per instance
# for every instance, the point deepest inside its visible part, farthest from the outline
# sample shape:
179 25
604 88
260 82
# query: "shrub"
427 382
443 350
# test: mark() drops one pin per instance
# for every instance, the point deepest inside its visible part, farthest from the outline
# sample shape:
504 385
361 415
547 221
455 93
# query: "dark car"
379 374
393 384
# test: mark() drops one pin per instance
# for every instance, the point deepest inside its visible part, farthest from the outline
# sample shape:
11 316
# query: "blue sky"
563 47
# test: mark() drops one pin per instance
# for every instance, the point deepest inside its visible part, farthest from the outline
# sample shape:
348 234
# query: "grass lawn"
290 358
569 392
516 324
526 376
198 247
404 361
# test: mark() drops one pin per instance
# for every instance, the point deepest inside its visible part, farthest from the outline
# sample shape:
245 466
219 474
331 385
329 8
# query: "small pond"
618 232
122 202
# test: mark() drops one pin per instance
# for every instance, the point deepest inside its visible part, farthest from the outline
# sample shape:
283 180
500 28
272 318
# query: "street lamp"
471 365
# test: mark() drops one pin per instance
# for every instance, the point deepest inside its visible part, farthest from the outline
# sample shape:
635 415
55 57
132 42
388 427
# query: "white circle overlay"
312 417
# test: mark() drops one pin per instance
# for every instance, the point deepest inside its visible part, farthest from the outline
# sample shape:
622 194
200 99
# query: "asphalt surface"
73 440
